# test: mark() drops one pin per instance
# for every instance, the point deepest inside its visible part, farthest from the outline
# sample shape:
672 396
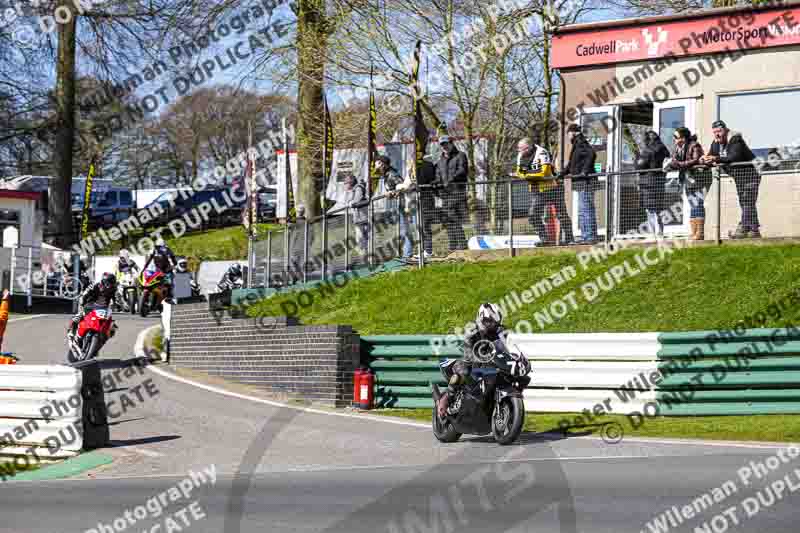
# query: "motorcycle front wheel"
132 301
507 420
143 304
443 429
93 347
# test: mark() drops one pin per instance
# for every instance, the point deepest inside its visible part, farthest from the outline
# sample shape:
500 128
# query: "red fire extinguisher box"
363 388
357 386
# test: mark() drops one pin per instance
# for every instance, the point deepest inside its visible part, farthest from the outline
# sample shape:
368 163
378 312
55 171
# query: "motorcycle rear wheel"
509 414
443 429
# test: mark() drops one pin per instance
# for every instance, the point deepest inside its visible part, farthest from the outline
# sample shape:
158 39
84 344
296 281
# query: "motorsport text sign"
718 33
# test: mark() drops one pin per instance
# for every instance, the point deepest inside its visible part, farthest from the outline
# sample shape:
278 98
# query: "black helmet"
182 265
108 281
236 269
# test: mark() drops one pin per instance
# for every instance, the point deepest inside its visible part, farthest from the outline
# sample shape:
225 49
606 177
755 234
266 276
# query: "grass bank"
689 289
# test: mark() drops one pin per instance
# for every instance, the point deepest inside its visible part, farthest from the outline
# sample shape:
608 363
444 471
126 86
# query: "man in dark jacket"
581 163
451 175
652 195
728 148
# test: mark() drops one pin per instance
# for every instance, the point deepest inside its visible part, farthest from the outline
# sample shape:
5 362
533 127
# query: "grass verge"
764 428
689 289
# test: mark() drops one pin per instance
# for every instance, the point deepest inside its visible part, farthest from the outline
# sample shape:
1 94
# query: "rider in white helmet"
488 326
125 264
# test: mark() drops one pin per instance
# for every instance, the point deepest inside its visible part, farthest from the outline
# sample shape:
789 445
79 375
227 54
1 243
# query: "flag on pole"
371 136
327 150
290 211
420 131
87 196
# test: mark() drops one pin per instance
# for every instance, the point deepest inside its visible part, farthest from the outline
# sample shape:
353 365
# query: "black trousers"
747 191
454 204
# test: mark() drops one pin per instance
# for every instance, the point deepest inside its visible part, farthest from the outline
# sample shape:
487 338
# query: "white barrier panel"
210 273
575 401
627 346
608 375
41 405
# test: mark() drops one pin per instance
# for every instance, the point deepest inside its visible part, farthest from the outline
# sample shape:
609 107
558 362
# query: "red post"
357 387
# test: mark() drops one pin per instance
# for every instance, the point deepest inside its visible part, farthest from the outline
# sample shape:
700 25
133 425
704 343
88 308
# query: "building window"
9 227
766 120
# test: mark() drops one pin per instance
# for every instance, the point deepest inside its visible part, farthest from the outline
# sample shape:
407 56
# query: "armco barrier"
56 409
692 373
757 372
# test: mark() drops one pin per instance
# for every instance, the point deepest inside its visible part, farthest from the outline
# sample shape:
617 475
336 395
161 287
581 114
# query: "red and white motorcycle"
93 332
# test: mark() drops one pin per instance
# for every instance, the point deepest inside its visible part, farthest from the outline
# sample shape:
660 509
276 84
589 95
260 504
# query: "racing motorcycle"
93 332
491 402
153 284
126 293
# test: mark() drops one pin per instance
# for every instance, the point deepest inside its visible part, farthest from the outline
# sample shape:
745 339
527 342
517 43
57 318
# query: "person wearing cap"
400 208
728 149
452 171
581 163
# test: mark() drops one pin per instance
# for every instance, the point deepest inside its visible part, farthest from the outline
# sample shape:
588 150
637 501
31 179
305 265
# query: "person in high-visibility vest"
3 316
535 165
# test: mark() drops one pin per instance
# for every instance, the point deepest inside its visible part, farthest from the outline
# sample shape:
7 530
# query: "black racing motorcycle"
490 402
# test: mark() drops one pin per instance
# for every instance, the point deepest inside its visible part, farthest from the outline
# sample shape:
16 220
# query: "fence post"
268 269
371 240
305 250
13 268
718 190
30 277
420 229
76 268
324 246
400 241
609 188
509 190
286 254
347 239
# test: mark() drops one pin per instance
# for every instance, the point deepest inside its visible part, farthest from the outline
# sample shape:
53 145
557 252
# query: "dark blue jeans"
587 215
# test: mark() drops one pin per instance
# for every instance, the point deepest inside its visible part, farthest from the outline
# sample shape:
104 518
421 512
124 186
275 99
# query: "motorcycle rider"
102 294
488 326
164 260
125 264
230 277
182 267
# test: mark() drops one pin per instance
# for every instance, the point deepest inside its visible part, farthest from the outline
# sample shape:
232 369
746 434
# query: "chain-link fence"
750 200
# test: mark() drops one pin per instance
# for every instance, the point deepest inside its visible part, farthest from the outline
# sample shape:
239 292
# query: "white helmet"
123 254
160 242
490 317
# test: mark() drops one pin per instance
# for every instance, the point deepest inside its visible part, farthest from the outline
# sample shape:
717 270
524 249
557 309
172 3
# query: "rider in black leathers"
487 327
101 293
164 260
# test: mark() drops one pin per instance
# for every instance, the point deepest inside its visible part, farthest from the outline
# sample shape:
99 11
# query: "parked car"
174 205
107 207
267 205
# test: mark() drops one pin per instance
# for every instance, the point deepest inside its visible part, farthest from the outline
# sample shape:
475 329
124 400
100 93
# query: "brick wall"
276 354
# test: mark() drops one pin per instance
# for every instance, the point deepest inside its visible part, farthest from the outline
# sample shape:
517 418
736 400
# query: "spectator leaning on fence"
356 199
451 174
652 193
685 158
581 163
535 165
729 147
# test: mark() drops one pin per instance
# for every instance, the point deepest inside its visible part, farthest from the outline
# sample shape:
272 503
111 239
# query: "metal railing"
712 203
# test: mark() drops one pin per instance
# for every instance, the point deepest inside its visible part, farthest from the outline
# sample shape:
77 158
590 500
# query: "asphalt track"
289 469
